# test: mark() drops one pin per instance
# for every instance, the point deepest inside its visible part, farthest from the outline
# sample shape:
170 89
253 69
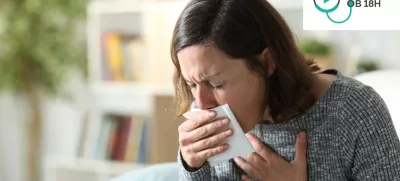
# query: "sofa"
386 83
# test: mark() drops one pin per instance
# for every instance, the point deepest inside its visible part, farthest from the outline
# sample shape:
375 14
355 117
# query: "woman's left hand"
267 165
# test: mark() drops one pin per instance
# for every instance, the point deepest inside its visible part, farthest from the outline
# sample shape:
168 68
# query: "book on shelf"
80 152
123 139
123 57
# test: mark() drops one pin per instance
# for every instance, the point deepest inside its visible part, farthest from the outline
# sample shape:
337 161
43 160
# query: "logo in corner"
350 4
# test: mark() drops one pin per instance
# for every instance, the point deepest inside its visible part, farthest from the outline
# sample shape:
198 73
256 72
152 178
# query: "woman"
241 52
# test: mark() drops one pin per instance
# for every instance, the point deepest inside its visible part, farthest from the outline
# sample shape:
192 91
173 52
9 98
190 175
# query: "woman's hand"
267 165
200 137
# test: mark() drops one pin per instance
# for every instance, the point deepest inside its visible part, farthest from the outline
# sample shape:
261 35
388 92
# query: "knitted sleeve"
204 173
377 147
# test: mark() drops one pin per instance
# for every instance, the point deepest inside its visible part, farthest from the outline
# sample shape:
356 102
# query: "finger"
196 119
246 178
264 151
205 154
202 132
211 141
248 167
301 148
208 129
257 161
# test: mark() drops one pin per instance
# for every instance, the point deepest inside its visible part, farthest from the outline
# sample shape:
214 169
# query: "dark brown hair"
243 29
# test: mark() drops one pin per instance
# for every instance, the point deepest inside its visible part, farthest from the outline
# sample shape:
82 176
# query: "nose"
204 98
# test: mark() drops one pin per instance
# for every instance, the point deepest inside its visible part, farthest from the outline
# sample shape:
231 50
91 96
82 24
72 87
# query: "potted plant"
319 51
367 65
39 46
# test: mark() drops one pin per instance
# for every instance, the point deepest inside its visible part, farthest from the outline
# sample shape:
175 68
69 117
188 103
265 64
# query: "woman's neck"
321 84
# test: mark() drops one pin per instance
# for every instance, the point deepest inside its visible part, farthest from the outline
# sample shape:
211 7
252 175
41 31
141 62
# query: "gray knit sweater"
350 137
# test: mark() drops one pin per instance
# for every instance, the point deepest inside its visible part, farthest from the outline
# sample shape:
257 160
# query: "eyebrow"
205 78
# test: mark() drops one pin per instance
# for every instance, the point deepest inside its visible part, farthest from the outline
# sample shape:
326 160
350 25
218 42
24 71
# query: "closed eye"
191 85
216 86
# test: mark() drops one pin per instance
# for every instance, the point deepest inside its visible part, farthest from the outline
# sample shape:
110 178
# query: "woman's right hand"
200 137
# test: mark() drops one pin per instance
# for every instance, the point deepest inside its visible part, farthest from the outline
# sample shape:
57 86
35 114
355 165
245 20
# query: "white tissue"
238 143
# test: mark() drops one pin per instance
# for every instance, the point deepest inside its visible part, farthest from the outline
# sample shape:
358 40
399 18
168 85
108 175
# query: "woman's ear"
267 61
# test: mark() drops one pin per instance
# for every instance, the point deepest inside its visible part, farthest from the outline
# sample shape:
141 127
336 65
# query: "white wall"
12 117
63 118
62 122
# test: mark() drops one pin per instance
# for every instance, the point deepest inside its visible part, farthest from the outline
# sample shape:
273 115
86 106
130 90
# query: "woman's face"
216 79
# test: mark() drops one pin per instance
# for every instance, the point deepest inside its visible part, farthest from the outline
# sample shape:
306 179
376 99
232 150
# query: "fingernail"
247 135
211 114
225 121
185 114
225 146
303 135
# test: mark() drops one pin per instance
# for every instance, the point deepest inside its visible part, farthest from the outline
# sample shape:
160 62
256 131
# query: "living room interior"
108 111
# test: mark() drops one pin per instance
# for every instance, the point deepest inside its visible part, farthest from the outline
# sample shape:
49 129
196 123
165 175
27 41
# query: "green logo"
350 3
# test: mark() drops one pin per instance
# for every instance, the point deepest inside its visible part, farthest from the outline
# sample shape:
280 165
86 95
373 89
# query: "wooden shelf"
127 98
131 88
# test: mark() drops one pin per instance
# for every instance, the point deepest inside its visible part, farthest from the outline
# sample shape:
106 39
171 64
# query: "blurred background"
86 86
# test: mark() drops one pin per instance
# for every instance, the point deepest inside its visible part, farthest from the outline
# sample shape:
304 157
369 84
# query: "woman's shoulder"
352 98
352 91
358 101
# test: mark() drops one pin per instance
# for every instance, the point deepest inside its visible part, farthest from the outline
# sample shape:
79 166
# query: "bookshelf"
131 123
